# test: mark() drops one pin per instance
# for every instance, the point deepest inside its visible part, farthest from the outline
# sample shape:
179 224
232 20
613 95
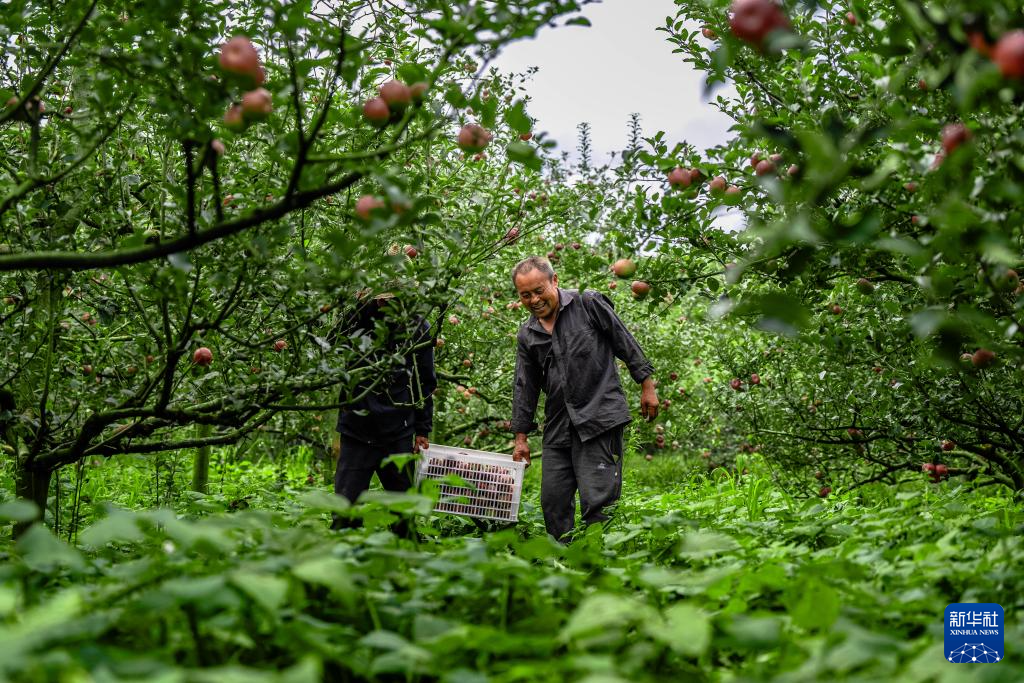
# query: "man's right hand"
521 452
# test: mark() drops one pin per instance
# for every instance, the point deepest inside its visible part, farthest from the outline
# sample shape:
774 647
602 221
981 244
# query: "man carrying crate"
395 415
567 349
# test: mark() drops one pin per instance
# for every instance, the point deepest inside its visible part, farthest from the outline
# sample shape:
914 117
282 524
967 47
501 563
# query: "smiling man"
567 349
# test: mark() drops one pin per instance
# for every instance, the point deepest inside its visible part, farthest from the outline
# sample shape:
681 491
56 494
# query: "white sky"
602 73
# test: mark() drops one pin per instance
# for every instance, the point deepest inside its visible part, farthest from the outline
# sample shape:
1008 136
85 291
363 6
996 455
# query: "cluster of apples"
685 177
239 58
393 98
624 268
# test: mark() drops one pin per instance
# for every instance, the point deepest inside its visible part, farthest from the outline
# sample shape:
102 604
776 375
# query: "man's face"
538 293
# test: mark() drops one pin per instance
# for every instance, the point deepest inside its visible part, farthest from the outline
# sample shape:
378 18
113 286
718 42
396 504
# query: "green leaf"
817 607
525 154
44 552
118 526
266 590
705 544
515 116
19 510
603 619
329 572
686 629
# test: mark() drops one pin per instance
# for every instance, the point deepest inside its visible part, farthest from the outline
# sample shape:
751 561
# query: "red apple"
753 20
640 289
239 56
68 111
819 475
411 251
234 119
865 285
793 170
202 356
764 167
977 40
1009 54
983 358
755 378
837 310
910 187
473 138
948 445
928 467
280 345
954 135
673 376
525 137
453 320
736 384
854 432
851 18
824 491
150 358
366 204
708 33
257 104
218 147
396 94
613 284
679 177
623 268
418 91
376 111
717 184
86 369
941 470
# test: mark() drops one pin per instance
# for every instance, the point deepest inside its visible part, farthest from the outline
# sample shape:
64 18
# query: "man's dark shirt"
389 412
575 367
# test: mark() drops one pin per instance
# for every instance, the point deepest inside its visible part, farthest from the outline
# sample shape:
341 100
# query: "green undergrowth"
717 577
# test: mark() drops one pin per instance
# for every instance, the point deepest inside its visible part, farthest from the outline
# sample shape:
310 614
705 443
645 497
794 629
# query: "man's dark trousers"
356 464
593 467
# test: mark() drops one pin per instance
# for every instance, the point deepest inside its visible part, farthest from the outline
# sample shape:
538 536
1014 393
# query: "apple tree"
197 196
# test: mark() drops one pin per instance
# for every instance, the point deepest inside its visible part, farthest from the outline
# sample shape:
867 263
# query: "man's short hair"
533 263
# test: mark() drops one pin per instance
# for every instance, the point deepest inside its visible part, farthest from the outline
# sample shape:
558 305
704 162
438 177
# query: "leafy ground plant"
690 581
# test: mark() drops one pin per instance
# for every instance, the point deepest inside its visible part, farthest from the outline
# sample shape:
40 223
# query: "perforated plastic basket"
493 482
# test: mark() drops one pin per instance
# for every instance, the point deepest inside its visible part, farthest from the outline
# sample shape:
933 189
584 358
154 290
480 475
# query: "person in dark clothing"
395 415
567 349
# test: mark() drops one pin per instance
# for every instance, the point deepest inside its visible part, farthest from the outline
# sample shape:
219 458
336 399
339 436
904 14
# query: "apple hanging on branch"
202 356
238 56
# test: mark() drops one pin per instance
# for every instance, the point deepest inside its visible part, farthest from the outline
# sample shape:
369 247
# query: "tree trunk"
201 464
34 487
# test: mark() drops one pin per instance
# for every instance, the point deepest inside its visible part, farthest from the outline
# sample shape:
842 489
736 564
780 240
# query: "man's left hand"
421 444
649 403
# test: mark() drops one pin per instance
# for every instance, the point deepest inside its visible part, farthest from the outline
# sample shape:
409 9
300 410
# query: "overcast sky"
602 73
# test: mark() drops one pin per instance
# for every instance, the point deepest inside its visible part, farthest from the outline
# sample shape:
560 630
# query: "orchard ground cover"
196 196
701 576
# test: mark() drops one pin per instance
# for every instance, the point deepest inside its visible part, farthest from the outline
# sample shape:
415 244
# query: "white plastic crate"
494 482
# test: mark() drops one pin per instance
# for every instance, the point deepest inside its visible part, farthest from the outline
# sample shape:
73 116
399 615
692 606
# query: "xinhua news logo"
974 633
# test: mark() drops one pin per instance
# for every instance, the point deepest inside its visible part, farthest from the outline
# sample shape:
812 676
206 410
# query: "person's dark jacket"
576 362
402 404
